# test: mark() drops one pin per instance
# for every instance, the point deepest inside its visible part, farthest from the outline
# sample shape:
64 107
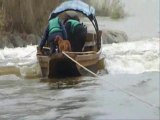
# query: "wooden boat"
58 65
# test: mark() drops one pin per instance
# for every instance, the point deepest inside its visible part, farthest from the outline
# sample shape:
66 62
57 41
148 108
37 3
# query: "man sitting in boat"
76 32
54 29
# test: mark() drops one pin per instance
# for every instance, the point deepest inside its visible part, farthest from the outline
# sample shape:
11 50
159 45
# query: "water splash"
132 57
129 57
19 61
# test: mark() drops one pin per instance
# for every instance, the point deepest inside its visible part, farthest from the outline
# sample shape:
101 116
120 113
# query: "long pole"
115 86
80 65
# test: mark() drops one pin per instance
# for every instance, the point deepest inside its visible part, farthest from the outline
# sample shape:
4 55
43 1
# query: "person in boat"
54 30
76 32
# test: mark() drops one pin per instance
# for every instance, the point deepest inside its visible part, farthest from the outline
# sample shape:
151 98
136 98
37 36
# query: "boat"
59 65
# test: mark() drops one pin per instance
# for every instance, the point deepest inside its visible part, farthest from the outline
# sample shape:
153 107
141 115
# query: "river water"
129 91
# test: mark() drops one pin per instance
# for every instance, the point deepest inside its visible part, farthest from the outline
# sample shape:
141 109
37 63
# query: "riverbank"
13 40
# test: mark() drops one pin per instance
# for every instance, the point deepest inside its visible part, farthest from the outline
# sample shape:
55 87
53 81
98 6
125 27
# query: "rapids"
133 67
132 57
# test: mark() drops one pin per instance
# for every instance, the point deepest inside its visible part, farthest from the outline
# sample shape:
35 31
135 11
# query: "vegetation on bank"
1 16
30 16
110 8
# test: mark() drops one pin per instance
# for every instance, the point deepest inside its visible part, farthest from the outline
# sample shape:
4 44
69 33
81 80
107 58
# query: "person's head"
69 16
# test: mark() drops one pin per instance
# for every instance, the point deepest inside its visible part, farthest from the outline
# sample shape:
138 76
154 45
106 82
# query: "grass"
1 16
110 8
28 16
31 16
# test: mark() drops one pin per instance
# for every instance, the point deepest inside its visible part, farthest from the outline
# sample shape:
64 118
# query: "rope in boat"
115 86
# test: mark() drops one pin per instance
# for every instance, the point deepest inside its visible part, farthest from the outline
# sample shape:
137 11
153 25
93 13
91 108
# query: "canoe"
59 65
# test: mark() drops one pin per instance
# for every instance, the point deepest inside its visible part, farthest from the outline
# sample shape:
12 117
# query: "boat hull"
59 66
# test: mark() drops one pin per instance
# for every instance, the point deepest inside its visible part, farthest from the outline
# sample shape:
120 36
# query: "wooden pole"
80 65
115 86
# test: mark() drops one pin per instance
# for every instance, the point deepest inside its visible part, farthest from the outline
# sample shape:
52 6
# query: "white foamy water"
128 58
21 61
133 57
17 56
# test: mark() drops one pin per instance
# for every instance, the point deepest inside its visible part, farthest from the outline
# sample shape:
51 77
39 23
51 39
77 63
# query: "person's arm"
44 39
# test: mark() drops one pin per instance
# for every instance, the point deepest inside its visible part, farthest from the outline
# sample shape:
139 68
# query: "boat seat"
90 42
91 38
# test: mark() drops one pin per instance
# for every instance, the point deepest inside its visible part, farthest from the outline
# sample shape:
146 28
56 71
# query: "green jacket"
54 25
73 23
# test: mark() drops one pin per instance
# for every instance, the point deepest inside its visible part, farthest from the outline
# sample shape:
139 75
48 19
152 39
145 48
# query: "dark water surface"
88 99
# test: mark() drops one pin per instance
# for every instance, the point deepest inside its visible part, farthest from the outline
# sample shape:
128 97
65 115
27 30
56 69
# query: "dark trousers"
51 42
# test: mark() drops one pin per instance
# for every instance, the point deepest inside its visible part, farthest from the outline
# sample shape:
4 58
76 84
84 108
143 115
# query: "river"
129 91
